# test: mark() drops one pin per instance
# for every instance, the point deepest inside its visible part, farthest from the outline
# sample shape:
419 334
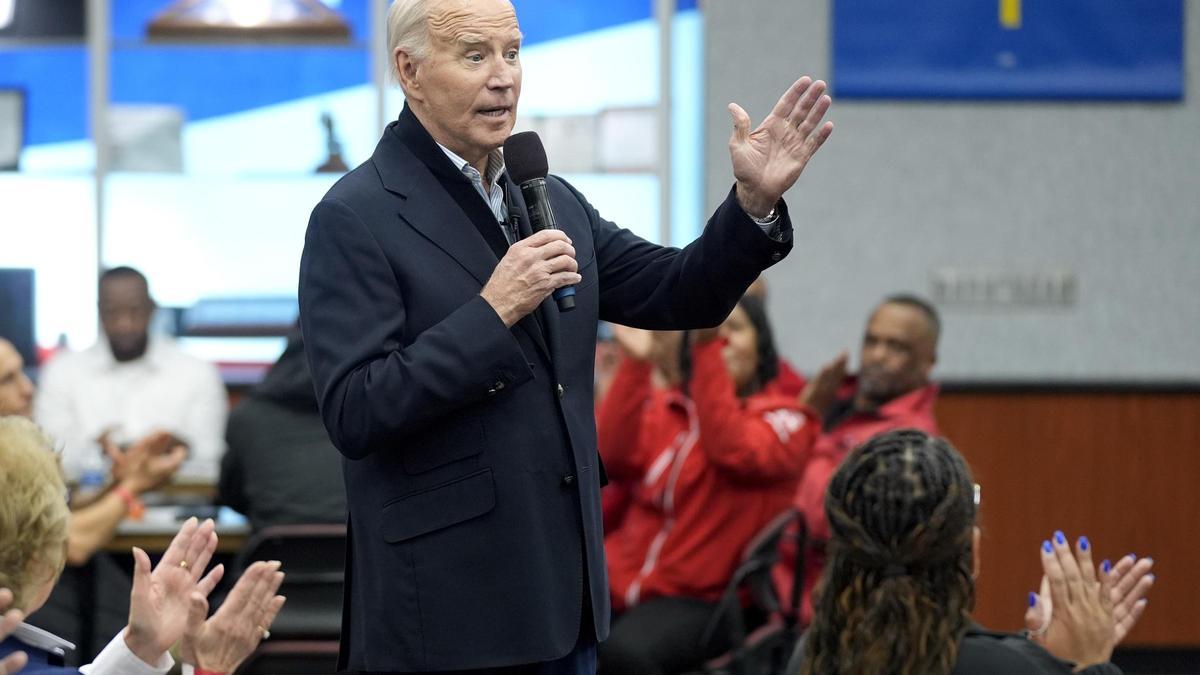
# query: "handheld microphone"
525 159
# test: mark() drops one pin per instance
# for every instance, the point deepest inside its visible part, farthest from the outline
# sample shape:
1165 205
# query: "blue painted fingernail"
1151 577
1131 556
1150 559
1083 543
1046 547
1032 598
1060 538
1106 566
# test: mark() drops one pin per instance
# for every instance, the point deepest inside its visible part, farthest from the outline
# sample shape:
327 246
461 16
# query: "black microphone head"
524 157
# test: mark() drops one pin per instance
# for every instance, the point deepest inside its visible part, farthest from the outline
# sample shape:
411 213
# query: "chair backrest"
759 558
751 580
313 558
293 657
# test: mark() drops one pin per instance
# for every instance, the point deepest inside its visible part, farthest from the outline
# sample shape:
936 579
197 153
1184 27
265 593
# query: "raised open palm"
768 160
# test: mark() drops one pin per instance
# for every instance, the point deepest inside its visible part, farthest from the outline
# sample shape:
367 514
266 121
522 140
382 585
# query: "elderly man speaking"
459 395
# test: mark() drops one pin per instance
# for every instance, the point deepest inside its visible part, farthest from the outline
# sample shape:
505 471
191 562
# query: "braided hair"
897 588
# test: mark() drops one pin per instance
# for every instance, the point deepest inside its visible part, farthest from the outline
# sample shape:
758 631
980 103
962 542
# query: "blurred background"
1030 166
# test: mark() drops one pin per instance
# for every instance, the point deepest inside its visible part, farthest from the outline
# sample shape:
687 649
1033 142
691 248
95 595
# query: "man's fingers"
787 103
543 237
741 125
810 99
813 119
565 279
562 263
815 140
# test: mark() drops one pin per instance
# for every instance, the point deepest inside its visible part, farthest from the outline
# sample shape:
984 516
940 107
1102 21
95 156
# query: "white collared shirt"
114 659
493 197
85 393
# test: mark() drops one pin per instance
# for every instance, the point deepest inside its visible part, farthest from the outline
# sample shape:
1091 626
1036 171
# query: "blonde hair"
33 510
408 31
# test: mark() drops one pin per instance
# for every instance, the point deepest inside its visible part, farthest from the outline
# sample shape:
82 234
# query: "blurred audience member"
789 380
899 588
129 384
892 391
91 602
16 391
608 355
661 351
165 604
713 451
280 467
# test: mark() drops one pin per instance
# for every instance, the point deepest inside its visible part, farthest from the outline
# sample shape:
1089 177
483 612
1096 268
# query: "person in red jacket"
892 391
711 457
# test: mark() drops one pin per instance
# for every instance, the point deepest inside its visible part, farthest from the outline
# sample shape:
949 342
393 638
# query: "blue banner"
1058 49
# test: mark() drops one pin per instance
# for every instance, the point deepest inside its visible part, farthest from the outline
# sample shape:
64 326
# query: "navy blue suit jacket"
471 469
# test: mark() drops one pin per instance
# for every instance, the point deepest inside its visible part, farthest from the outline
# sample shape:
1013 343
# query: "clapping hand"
161 600
1131 581
768 160
148 462
1083 626
820 392
221 643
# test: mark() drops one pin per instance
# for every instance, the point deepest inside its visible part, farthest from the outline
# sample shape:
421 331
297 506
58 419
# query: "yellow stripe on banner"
1010 14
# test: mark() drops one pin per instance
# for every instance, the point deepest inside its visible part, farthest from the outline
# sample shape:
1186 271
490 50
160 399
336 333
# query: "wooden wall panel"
1122 468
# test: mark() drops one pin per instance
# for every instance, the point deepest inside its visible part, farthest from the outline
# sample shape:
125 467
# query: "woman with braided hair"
899 586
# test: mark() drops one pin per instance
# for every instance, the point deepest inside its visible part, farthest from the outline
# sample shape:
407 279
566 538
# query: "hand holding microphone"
542 263
525 159
532 269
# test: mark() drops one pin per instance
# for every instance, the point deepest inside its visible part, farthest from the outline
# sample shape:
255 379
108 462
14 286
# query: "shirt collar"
41 639
495 165
151 357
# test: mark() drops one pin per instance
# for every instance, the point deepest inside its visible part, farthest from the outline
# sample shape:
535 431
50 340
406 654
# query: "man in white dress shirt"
131 383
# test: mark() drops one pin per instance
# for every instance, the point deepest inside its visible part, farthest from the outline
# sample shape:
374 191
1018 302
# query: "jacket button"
776 256
568 480
561 390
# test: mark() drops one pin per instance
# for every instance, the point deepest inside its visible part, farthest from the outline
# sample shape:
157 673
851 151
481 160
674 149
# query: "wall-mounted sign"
1062 49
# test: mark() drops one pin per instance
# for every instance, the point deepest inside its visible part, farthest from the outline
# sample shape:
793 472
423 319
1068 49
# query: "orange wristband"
134 507
197 670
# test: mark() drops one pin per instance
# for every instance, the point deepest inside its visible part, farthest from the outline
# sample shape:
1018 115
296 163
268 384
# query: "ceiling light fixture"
286 21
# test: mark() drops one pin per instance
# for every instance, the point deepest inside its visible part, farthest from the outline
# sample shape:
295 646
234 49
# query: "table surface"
154 531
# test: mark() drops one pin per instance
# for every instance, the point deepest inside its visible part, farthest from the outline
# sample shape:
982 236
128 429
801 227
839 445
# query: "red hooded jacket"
707 473
913 410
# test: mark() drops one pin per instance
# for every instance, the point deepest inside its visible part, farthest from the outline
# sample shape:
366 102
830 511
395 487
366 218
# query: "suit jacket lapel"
428 208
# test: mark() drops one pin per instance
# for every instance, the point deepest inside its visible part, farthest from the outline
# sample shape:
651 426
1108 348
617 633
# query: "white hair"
408 31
